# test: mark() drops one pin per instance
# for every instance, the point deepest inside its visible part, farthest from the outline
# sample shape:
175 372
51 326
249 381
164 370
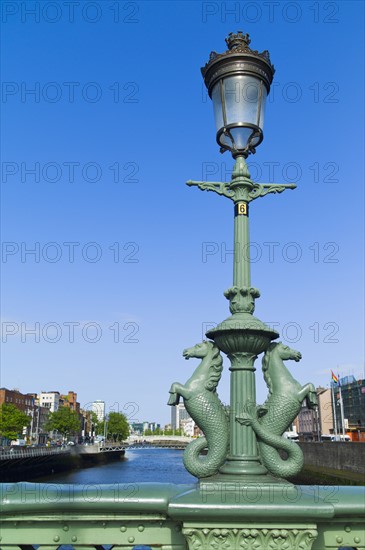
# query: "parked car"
332 437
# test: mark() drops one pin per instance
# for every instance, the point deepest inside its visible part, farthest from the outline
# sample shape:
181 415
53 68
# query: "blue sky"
130 264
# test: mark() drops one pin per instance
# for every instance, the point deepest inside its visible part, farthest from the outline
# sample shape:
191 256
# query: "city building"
87 425
307 424
188 427
23 402
352 392
50 400
29 404
98 407
312 423
178 413
70 401
325 410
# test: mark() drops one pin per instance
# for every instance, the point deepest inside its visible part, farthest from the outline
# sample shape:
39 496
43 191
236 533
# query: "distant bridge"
158 442
158 445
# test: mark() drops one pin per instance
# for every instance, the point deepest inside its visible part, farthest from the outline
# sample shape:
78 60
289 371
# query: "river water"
137 466
158 465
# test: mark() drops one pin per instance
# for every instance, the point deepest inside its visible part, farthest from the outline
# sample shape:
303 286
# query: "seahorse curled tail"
269 445
209 413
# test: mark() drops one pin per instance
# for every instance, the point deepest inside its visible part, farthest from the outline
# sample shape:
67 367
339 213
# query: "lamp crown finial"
239 47
238 40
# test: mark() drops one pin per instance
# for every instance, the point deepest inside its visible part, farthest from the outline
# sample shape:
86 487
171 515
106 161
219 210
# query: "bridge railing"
26 452
178 517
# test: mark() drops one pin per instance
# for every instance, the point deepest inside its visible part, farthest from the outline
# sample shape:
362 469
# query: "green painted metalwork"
243 337
203 405
178 517
280 409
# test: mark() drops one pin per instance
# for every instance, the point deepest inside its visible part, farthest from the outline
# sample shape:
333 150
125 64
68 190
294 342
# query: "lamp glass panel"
263 104
241 102
241 136
241 95
217 106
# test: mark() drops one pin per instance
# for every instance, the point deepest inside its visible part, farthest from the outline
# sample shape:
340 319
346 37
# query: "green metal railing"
12 453
177 517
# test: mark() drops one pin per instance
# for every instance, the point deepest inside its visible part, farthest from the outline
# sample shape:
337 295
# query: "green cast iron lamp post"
238 82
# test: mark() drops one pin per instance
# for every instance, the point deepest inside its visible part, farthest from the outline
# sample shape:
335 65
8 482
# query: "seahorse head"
277 351
214 364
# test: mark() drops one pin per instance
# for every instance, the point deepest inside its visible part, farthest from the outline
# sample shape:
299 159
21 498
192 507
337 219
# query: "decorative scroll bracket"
254 191
241 187
218 187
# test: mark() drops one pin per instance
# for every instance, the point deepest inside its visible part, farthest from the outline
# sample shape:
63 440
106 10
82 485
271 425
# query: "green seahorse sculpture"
278 412
205 408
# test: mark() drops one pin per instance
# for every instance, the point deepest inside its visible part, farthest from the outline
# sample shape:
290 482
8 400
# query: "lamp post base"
233 481
242 337
243 467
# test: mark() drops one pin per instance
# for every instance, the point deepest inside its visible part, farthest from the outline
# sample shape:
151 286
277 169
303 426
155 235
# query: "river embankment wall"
23 466
335 455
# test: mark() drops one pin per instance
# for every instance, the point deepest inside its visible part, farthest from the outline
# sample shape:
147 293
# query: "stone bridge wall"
335 454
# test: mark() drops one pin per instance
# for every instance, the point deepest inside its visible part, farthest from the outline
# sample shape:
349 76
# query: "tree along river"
136 466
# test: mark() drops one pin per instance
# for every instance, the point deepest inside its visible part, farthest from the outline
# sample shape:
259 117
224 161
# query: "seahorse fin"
261 411
244 419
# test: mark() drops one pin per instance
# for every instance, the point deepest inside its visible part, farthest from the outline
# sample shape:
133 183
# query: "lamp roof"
238 59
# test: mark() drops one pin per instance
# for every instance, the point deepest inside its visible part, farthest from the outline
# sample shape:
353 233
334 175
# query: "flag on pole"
334 377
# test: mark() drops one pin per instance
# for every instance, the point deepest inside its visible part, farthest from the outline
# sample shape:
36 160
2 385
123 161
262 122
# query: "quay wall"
337 455
21 469
23 466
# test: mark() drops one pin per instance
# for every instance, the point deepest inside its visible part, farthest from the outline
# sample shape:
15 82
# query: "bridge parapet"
178 517
12 453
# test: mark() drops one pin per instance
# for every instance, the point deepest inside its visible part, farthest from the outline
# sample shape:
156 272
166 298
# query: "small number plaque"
241 209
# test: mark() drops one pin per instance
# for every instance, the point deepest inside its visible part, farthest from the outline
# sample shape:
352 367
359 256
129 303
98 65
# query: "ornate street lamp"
238 83
244 440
